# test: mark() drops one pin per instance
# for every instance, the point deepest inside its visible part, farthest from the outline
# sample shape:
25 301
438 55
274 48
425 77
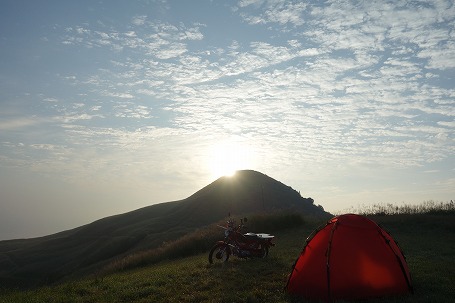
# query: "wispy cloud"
281 12
15 123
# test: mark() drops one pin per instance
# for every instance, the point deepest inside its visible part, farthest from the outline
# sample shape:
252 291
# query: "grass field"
428 241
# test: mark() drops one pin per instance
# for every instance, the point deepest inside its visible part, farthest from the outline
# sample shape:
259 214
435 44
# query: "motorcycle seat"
261 236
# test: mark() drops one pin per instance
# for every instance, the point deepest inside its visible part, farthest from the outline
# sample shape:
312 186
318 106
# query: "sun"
229 156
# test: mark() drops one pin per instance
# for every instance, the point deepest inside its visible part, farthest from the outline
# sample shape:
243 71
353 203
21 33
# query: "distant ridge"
46 259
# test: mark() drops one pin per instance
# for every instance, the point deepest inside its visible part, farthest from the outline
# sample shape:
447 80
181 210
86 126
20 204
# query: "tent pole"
329 249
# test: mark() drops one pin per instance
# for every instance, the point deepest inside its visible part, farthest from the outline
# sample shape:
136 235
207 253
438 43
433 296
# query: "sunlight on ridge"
229 156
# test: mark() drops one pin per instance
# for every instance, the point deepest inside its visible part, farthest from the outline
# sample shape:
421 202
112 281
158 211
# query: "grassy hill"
428 241
38 261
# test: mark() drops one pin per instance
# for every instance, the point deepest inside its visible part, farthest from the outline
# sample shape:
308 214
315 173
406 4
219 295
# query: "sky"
110 106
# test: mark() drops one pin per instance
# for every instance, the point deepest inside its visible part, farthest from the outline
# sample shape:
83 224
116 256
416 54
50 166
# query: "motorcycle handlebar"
231 224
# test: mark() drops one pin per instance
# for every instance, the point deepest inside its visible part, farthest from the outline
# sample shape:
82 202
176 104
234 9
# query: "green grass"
428 241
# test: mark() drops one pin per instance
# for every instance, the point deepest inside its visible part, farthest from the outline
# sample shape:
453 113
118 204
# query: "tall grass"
427 207
201 240
188 245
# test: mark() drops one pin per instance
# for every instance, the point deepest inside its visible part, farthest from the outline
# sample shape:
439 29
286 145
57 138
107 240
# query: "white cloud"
12 123
163 42
442 58
139 20
118 95
282 12
340 82
50 100
73 117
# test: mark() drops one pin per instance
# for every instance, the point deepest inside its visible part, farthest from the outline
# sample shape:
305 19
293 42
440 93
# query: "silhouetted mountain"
46 259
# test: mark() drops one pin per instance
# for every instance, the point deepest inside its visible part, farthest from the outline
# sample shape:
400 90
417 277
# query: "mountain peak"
250 191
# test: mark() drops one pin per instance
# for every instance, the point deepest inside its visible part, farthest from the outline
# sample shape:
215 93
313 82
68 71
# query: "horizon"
107 108
424 205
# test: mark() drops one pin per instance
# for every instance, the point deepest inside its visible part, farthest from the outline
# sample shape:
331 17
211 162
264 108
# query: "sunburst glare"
229 156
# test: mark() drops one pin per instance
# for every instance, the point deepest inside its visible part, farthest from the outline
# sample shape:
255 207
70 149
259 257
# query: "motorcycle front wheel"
264 252
219 253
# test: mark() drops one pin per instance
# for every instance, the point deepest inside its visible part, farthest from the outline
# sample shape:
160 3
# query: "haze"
109 106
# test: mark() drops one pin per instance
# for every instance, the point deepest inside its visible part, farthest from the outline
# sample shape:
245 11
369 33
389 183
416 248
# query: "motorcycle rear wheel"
219 254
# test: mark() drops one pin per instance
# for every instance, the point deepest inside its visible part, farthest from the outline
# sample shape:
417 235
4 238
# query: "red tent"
351 257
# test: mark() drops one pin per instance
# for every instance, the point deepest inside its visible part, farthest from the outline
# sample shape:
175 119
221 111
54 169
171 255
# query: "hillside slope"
42 260
428 242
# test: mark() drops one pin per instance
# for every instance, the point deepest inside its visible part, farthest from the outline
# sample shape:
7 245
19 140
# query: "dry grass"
202 240
427 207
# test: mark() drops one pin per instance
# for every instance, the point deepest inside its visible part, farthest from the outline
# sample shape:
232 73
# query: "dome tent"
351 257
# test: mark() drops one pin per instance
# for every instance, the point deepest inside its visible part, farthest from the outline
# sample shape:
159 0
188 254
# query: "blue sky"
109 106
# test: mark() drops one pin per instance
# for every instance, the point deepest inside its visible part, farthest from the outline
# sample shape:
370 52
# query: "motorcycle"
249 245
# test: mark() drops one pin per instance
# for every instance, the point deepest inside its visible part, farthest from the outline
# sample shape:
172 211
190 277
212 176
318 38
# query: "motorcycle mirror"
245 220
